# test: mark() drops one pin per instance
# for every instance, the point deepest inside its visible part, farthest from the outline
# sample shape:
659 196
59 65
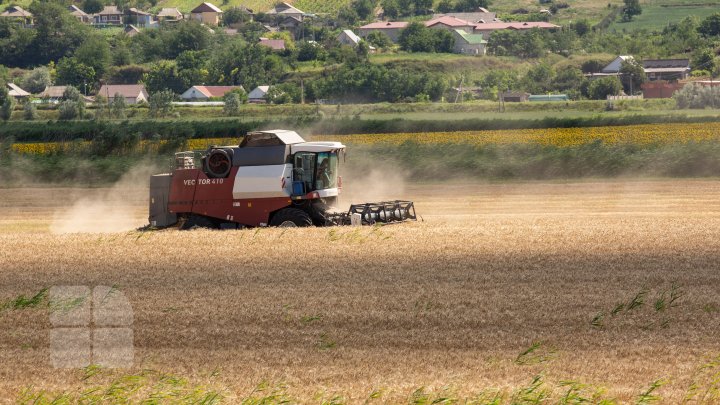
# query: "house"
207 92
274 44
18 15
479 17
79 14
258 95
515 97
451 23
469 44
15 91
131 30
613 68
292 24
489 28
139 18
170 15
110 15
347 37
53 94
206 13
390 28
666 69
133 93
283 10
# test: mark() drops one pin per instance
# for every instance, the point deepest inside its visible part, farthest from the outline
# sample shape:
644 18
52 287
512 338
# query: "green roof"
473 39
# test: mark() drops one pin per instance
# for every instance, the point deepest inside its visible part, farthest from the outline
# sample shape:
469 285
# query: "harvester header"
272 178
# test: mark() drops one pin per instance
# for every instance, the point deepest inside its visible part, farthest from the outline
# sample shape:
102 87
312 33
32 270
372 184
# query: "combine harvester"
273 178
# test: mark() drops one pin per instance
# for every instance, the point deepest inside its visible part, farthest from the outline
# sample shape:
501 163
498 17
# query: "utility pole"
302 91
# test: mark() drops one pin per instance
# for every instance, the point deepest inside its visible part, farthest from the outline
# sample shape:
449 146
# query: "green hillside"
656 14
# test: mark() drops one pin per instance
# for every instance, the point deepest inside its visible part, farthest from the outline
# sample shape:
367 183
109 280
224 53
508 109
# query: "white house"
258 95
615 65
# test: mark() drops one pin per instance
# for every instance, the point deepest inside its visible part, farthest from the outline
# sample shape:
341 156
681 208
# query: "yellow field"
634 134
505 291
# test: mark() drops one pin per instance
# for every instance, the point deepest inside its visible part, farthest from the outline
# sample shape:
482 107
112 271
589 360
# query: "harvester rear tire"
291 217
198 221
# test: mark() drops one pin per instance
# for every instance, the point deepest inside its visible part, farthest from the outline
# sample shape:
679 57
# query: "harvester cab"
271 178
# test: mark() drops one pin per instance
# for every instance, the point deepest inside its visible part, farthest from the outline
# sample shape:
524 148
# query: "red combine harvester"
273 178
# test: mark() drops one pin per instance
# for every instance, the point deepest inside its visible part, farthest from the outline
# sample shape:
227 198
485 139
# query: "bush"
697 97
599 89
68 110
29 111
7 108
161 103
233 100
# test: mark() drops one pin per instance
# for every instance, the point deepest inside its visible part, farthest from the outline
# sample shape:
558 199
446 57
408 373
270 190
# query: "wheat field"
504 293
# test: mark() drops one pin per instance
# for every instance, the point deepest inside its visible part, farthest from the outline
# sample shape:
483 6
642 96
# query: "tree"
391 9
71 72
633 76
249 65
379 39
118 106
703 59
235 15
445 6
471 5
7 103
631 9
95 53
185 36
29 111
416 37
161 103
710 26
364 8
163 75
539 79
599 89
422 6
36 80
93 6
74 104
58 33
570 81
233 100
284 93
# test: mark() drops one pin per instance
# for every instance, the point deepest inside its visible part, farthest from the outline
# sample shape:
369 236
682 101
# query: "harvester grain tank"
272 178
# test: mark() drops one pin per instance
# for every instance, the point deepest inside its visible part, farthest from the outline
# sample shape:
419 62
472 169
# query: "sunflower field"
639 135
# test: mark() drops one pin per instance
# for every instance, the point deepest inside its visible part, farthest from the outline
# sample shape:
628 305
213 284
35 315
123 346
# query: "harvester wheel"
291 217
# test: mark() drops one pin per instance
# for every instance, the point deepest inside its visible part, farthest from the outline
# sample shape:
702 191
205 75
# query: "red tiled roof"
216 91
385 24
449 21
514 26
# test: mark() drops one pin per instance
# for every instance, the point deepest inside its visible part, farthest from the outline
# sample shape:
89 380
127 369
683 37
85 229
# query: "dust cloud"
120 208
371 183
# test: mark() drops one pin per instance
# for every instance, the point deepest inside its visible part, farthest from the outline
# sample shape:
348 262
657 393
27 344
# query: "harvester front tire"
198 221
291 217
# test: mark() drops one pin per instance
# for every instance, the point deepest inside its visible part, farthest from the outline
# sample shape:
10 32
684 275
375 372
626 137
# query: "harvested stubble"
450 303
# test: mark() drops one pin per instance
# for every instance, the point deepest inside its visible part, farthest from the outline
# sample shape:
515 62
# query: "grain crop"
504 293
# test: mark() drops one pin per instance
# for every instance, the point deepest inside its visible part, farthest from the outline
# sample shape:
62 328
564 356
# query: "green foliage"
92 6
497 81
697 96
631 9
703 59
233 100
235 15
416 37
710 26
36 80
379 39
95 53
29 111
249 65
57 34
528 44
72 72
118 106
632 76
599 89
160 103
164 75
68 110
539 79
6 108
284 93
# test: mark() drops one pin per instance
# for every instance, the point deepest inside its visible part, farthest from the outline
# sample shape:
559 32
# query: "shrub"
29 111
697 97
160 103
